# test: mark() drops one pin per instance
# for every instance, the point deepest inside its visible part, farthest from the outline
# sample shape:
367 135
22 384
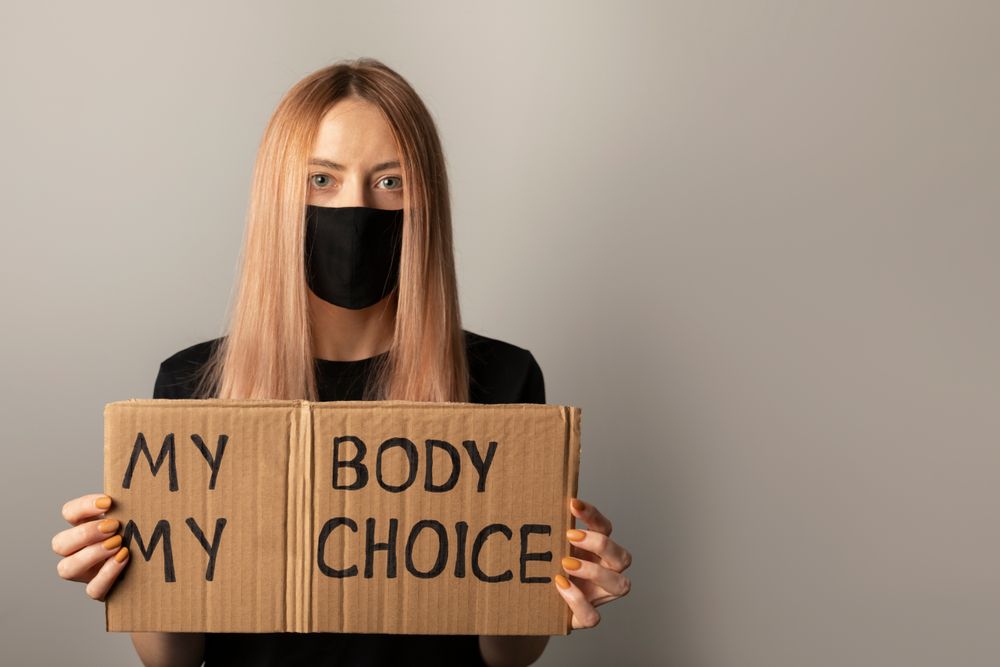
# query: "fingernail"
575 535
570 563
108 526
122 555
577 505
104 502
113 542
562 582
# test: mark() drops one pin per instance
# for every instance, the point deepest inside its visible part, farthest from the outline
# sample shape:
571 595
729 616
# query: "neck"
343 334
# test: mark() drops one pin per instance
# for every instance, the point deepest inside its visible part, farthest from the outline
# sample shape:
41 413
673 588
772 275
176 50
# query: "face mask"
352 253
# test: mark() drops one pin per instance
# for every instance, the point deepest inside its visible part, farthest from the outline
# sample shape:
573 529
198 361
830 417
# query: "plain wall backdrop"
756 242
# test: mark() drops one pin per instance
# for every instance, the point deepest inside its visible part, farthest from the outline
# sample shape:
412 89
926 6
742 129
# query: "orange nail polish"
575 535
113 542
103 502
577 505
562 582
108 526
570 563
122 555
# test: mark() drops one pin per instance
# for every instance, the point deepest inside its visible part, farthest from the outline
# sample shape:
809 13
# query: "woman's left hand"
596 566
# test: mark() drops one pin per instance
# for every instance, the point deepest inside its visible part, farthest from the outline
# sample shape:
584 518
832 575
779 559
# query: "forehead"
353 132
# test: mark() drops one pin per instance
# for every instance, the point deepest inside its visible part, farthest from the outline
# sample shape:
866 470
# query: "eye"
397 179
319 180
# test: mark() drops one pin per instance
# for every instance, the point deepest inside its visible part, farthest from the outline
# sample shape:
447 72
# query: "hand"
595 569
89 545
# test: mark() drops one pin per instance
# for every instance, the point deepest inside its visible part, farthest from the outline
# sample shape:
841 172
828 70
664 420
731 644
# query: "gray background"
755 241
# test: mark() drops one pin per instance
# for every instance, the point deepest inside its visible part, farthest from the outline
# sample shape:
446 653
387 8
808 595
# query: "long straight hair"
267 352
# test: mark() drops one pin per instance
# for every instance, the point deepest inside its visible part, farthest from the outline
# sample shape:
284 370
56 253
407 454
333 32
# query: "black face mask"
352 253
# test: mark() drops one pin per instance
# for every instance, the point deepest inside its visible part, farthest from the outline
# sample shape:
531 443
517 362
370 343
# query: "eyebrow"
339 167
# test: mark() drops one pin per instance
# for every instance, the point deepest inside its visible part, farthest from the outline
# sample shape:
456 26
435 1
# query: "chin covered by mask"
352 253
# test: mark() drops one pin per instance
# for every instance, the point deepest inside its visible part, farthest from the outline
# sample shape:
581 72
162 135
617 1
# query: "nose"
354 193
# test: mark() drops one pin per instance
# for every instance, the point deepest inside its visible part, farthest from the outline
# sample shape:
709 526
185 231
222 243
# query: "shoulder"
179 373
196 354
502 372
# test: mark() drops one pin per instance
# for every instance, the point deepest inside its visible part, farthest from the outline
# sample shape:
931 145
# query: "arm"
512 651
169 649
518 650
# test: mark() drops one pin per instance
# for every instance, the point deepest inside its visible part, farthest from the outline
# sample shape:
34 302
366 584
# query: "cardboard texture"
349 516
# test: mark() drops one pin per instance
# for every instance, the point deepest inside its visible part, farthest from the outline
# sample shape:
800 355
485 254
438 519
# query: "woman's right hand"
91 549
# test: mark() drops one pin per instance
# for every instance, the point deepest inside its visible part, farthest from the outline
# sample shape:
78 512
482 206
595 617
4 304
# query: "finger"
615 583
590 516
584 613
91 573
611 554
106 576
73 539
76 566
86 507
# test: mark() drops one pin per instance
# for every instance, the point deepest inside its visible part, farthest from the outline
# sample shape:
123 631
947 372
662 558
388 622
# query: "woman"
351 170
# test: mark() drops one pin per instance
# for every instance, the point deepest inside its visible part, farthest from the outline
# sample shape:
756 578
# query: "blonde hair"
268 349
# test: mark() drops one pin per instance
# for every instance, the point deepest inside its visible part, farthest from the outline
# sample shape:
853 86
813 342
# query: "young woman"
347 291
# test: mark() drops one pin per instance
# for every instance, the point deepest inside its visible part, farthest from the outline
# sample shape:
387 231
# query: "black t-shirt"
499 373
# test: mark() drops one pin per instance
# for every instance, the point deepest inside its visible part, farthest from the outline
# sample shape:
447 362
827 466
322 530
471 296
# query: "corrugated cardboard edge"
298 588
571 418
298 526
104 481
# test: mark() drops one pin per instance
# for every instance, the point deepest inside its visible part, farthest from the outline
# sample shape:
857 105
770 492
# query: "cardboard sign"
348 516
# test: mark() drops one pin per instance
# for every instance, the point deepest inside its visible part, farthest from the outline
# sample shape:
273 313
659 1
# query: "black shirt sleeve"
164 386
533 390
180 373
